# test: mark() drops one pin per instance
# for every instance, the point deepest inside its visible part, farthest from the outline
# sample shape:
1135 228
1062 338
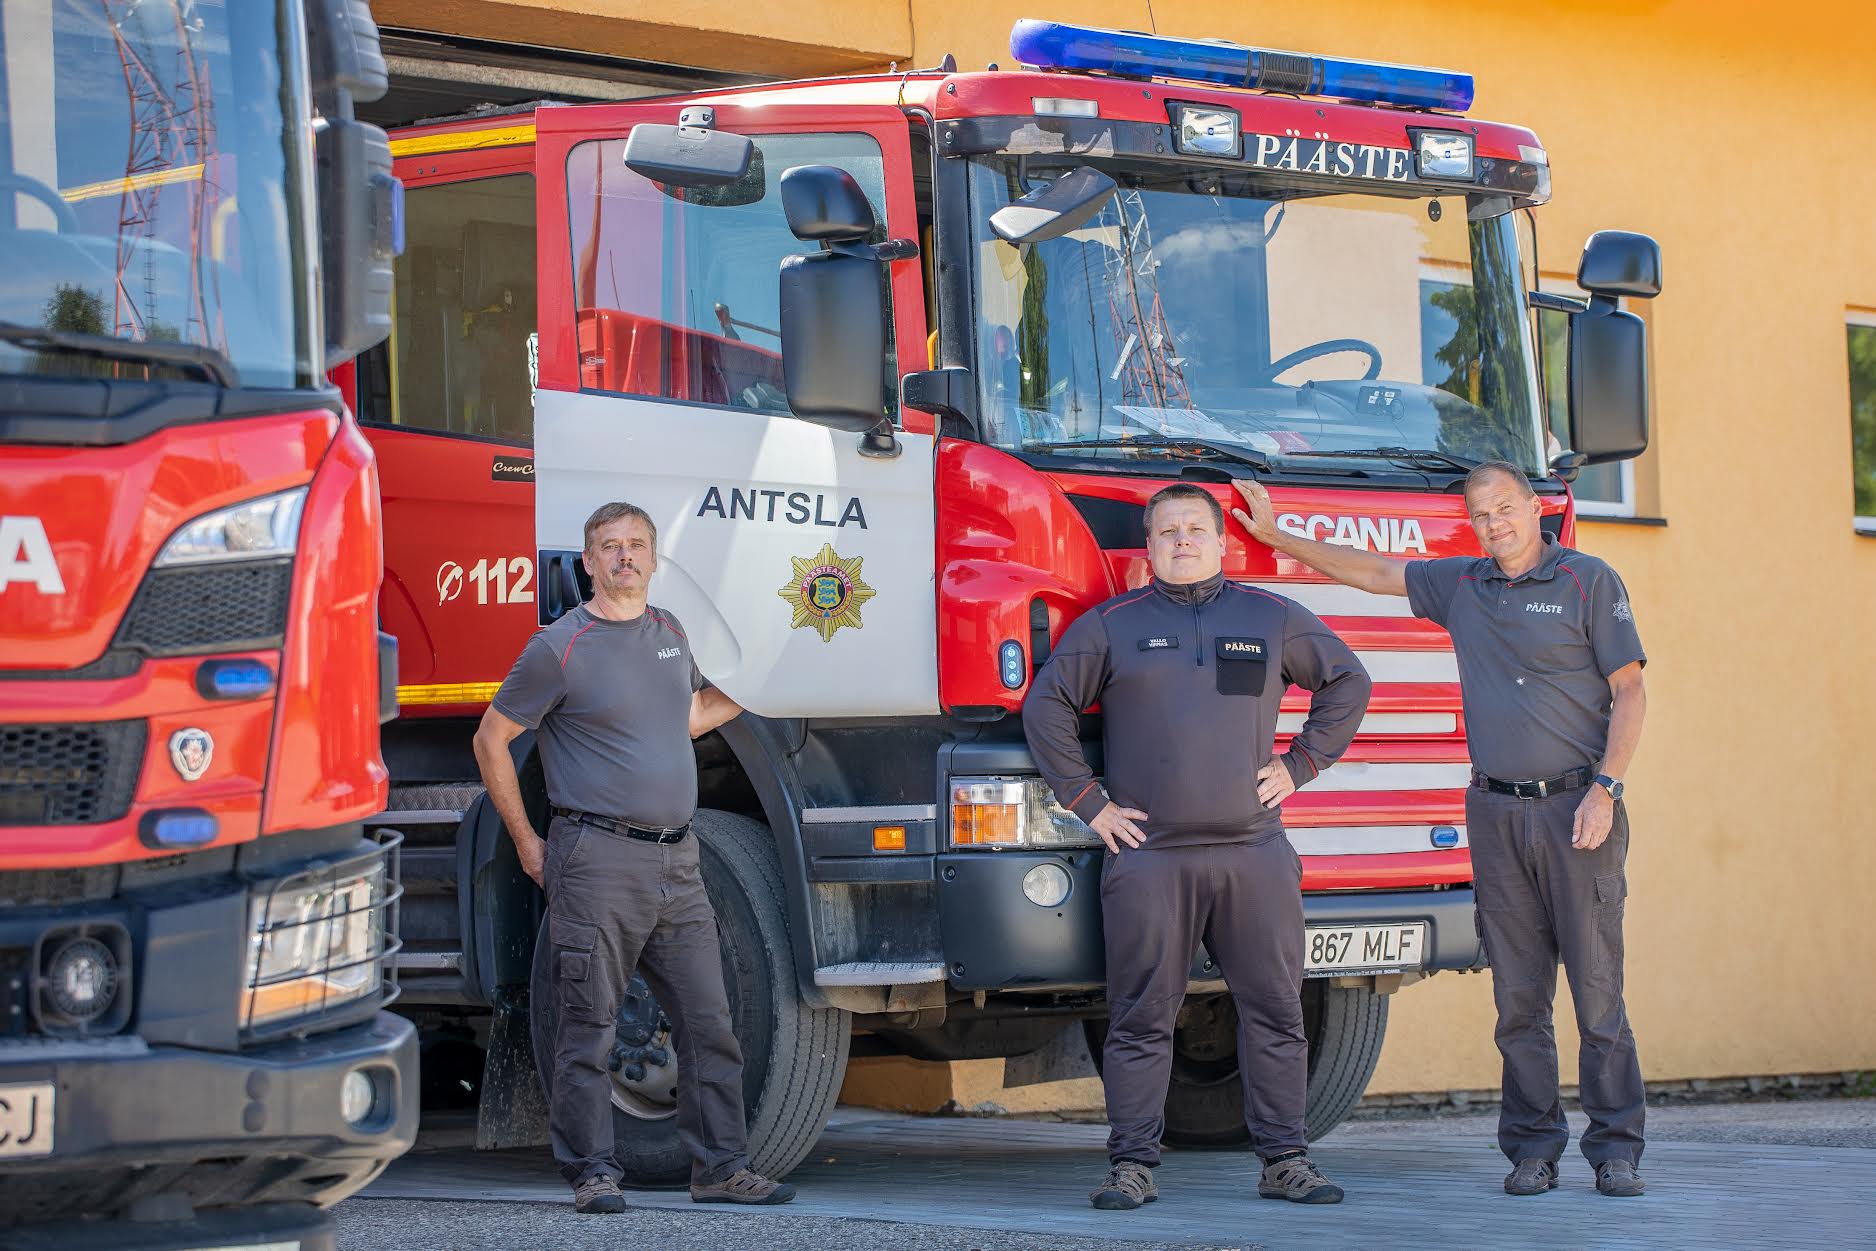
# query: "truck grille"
69 774
210 608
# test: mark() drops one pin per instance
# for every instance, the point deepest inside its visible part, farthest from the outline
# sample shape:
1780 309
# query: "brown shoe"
1128 1185
1618 1179
742 1186
1531 1177
598 1195
1296 1178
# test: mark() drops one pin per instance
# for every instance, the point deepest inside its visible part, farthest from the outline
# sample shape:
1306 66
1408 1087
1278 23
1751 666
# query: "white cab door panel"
801 570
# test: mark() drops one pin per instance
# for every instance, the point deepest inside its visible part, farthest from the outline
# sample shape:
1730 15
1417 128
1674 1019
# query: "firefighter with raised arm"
1550 672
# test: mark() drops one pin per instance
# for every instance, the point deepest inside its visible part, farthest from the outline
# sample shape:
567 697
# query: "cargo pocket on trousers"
574 970
1611 892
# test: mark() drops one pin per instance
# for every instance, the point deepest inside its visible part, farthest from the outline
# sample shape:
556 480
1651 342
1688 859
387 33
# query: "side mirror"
1055 208
689 154
1609 348
947 394
823 204
1619 262
361 204
1608 384
833 307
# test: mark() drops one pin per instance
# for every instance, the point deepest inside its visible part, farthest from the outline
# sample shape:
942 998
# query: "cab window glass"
677 290
461 357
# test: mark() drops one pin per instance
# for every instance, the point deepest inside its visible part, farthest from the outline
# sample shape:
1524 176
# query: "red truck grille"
77 773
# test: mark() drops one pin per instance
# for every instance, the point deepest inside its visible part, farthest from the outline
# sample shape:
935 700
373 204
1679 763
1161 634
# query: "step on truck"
196 920
895 362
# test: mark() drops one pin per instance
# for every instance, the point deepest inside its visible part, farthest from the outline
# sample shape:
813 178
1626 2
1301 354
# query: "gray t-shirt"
611 701
1535 655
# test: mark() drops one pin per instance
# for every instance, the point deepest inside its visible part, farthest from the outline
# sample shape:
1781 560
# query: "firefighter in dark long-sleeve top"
1189 672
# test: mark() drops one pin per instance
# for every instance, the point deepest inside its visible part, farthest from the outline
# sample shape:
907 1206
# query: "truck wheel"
794 1056
1205 1098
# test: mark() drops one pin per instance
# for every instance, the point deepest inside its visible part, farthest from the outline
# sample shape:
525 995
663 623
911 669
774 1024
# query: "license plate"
1363 948
25 1120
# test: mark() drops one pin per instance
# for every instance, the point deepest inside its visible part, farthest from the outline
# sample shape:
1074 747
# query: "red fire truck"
895 362
195 921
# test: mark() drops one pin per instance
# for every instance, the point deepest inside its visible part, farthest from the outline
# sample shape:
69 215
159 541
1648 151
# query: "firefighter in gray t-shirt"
1550 674
615 697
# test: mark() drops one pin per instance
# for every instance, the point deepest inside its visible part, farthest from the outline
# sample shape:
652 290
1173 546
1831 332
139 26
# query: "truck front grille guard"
380 915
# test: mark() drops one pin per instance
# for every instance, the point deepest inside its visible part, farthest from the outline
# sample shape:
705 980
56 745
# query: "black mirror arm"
1551 302
890 250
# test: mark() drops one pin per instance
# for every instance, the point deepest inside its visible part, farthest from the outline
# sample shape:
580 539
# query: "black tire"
1205 1097
794 1056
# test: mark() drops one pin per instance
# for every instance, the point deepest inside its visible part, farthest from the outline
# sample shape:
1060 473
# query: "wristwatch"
1609 784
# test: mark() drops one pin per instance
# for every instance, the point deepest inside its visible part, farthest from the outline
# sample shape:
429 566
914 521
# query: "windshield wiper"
1211 447
204 360
1421 456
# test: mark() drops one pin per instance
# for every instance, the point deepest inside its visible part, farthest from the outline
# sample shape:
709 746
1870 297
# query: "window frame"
892 362
1625 507
1865 318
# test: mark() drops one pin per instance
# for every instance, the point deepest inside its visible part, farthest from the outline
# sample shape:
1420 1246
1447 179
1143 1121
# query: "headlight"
316 940
269 526
1013 812
1205 132
1441 154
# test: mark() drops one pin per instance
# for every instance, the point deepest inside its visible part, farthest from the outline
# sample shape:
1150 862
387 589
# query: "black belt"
646 833
1536 788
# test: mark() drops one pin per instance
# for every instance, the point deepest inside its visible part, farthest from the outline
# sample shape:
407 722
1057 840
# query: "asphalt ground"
1769 1174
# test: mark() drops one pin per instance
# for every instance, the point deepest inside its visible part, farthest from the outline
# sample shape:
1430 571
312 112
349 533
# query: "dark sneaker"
1296 1178
1531 1177
1618 1179
598 1195
1127 1186
742 1186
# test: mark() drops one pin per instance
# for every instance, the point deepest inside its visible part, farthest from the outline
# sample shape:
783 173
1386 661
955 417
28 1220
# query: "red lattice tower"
172 128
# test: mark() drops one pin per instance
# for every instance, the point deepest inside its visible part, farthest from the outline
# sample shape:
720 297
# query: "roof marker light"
1064 106
1058 45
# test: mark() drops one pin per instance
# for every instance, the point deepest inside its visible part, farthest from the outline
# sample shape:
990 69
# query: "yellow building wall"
1737 135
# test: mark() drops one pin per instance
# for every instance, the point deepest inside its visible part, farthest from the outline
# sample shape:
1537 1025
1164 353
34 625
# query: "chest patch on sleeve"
1242 665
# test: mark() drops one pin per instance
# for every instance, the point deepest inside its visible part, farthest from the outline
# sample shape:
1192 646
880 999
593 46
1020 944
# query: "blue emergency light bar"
1057 45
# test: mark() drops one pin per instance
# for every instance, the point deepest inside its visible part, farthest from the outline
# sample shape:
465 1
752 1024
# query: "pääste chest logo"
826 592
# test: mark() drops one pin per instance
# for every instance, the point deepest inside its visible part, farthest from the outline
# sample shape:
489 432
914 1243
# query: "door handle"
564 584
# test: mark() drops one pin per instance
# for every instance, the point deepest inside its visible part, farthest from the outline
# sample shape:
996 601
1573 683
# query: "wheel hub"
643 1062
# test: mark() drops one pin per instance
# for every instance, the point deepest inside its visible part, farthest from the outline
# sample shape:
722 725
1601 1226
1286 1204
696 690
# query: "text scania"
795 507
1395 535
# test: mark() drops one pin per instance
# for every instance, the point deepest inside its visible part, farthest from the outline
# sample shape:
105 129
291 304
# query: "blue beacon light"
1057 45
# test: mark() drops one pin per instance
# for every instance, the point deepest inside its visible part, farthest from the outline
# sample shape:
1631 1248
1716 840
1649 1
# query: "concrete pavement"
878 1181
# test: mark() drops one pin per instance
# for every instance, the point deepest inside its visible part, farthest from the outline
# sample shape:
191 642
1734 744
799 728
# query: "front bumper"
218 1129
994 938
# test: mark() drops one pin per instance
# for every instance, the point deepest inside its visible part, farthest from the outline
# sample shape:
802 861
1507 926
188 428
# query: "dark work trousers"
1245 902
616 905
1540 899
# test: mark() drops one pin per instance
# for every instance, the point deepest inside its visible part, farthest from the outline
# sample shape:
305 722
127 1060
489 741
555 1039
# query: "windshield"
150 192
1229 309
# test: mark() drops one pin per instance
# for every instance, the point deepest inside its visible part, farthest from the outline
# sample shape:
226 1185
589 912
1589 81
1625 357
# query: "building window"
1862 350
1600 490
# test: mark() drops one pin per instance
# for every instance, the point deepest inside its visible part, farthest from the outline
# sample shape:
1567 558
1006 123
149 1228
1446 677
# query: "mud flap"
512 1111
